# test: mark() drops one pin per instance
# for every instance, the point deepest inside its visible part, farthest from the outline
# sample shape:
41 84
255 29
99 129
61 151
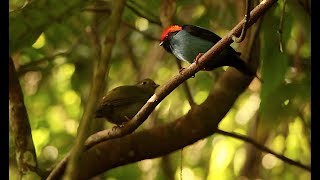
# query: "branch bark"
19 124
200 122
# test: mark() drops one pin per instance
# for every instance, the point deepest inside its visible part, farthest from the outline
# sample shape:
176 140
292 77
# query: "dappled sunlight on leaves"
142 24
239 160
56 116
40 42
50 153
275 112
200 96
248 110
40 137
269 161
221 157
228 121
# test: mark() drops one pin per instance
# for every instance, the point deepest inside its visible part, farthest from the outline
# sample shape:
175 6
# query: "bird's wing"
202 33
124 95
205 34
123 102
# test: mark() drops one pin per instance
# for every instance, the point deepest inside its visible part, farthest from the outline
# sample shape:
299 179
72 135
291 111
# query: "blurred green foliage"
56 87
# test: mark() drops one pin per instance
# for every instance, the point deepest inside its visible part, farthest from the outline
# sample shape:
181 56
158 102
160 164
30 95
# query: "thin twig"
186 86
305 5
181 163
252 47
33 64
245 24
94 34
96 90
141 32
263 148
167 167
280 30
97 10
133 59
133 9
60 167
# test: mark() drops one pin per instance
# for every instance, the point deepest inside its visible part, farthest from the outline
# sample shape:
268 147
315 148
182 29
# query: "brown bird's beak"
156 85
161 43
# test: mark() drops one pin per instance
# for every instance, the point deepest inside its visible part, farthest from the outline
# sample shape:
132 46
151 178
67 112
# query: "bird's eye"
144 83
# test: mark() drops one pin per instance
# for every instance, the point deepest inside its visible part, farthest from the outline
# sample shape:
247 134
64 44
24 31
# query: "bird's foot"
115 127
125 122
198 57
180 71
119 125
196 61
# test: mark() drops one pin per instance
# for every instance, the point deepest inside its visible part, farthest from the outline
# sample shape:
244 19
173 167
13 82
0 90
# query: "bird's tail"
241 66
233 61
98 113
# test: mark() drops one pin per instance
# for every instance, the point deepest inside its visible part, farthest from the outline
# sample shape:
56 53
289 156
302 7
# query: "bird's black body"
191 40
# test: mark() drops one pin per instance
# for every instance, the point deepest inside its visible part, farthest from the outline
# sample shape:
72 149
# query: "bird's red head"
170 29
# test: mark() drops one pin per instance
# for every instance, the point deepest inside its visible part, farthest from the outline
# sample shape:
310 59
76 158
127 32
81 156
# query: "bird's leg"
123 123
115 127
180 71
196 61
120 125
198 57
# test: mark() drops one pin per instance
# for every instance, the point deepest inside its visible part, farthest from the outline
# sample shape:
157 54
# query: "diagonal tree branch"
264 149
198 123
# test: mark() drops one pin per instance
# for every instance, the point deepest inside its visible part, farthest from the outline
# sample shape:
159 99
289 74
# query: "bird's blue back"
182 46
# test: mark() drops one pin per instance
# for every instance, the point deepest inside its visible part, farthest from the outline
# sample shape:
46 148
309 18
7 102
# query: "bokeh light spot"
142 24
269 161
40 42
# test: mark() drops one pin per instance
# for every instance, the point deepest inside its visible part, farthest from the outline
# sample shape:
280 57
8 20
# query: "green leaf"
27 24
148 10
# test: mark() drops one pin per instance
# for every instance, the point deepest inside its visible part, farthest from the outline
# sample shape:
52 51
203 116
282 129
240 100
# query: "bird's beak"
156 85
161 43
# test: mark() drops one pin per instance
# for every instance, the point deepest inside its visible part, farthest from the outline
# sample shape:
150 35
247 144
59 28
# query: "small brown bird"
122 103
